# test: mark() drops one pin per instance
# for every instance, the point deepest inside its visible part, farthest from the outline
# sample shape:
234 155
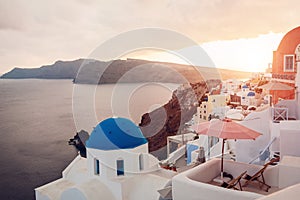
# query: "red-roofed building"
286 60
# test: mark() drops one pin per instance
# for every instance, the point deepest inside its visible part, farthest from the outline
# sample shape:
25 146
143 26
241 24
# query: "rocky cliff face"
170 118
133 70
87 71
124 71
59 70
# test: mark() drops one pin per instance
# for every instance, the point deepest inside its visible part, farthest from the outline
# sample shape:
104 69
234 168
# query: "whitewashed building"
118 167
231 85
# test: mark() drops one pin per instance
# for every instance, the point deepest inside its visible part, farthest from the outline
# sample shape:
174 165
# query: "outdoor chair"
259 176
232 183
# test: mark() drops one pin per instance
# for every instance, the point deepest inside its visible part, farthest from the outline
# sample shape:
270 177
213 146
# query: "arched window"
120 167
96 167
297 52
141 162
288 63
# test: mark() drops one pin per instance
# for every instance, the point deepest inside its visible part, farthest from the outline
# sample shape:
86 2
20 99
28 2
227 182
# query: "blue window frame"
120 167
97 167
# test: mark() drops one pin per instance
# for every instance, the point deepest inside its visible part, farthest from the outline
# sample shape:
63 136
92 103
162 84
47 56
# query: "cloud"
9 17
37 32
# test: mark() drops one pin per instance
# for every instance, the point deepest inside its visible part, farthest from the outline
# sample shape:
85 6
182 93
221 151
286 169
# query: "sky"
237 34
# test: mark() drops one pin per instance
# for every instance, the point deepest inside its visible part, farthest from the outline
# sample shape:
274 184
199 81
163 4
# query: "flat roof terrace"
200 183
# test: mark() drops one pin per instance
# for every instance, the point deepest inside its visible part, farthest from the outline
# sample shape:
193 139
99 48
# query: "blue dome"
116 133
251 94
245 86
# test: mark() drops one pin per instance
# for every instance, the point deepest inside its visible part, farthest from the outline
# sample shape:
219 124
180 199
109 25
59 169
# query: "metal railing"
266 149
279 114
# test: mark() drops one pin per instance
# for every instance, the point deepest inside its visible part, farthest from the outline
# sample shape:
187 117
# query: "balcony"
287 78
279 114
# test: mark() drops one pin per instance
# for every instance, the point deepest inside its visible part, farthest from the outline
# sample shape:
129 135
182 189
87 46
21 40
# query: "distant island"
127 71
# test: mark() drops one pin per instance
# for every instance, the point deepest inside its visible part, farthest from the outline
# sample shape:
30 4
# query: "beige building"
206 107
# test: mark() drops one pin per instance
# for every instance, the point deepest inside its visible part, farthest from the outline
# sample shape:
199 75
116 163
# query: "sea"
38 117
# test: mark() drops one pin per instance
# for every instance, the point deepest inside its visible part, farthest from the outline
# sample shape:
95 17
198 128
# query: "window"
141 162
298 53
97 167
288 63
120 167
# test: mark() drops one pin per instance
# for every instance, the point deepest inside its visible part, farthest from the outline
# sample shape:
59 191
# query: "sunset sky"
236 34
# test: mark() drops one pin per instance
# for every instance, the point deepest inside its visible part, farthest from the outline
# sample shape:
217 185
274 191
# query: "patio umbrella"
276 86
225 129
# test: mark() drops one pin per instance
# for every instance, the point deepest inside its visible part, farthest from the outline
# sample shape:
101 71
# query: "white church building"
118 167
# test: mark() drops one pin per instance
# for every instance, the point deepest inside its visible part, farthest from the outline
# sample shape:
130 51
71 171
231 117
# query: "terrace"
200 183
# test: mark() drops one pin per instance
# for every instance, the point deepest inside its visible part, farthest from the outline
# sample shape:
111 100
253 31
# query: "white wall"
53 190
289 171
40 196
143 187
74 194
275 132
246 150
192 185
290 138
291 193
131 157
91 190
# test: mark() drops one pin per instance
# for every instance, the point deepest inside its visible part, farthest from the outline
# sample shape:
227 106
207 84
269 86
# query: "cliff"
127 71
179 110
133 70
58 70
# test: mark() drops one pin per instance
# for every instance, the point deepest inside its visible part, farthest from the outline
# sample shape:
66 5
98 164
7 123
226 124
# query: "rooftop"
203 179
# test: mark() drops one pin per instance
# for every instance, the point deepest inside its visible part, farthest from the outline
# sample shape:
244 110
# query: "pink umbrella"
276 86
225 129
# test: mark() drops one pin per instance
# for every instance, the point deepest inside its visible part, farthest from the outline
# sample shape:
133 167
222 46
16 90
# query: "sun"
251 54
245 54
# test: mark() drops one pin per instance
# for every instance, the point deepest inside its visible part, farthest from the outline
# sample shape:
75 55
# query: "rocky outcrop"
133 70
89 71
170 118
59 70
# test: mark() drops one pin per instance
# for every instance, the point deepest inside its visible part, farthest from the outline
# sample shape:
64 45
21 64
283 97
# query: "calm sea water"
36 122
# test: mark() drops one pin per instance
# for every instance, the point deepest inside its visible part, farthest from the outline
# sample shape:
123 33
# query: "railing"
279 114
284 76
266 149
